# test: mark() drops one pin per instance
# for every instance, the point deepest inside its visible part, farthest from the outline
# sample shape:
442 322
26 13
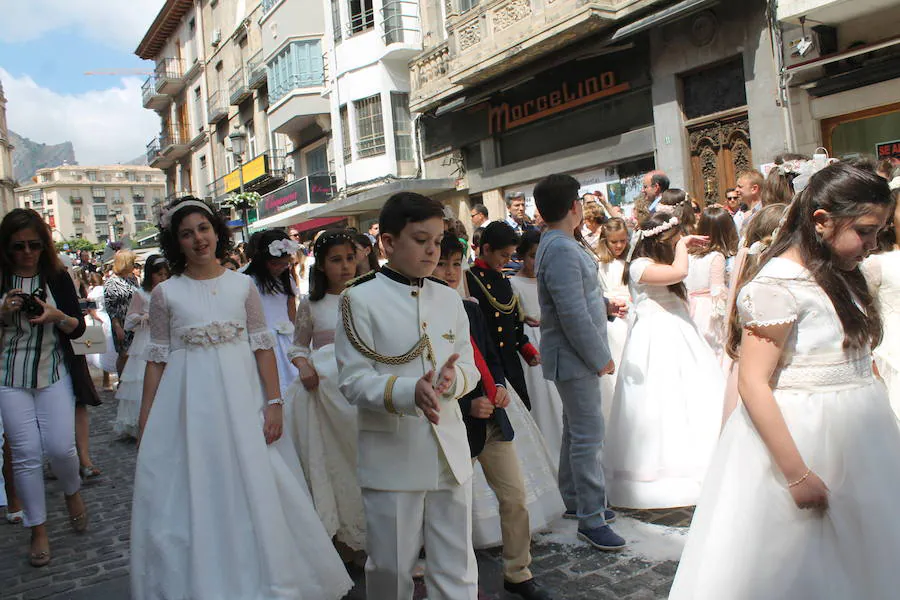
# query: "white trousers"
399 522
40 422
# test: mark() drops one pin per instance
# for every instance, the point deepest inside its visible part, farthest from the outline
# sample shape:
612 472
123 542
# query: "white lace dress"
218 514
616 330
131 384
280 324
708 293
325 425
104 362
748 539
546 405
883 274
667 410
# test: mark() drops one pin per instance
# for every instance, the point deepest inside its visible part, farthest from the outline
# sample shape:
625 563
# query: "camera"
30 306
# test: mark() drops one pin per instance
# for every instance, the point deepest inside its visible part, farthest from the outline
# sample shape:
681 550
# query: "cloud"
106 126
120 24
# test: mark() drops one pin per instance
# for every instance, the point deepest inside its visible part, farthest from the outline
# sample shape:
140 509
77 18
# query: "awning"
282 219
316 223
374 199
673 13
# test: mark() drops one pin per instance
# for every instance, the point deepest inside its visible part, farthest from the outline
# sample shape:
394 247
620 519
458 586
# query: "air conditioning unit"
216 37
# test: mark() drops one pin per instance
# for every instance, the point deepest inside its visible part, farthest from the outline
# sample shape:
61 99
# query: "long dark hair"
153 265
258 268
845 192
318 283
718 224
365 241
680 207
657 248
887 238
168 236
24 218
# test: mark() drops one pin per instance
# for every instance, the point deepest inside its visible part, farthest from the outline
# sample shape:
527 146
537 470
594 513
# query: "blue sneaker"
608 515
603 538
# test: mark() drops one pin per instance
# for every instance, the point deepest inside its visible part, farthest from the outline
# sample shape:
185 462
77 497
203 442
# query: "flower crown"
283 247
165 221
640 234
330 237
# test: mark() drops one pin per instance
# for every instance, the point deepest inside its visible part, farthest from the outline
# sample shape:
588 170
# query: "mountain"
29 156
140 161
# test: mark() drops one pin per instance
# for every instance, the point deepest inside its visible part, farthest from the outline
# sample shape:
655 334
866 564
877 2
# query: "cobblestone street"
95 566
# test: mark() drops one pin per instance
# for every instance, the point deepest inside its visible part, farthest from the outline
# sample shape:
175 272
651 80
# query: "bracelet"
275 401
801 480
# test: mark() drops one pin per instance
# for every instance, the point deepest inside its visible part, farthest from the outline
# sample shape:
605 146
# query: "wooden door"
720 149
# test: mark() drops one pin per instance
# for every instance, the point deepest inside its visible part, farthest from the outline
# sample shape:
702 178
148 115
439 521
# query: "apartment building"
509 91
210 90
7 180
99 204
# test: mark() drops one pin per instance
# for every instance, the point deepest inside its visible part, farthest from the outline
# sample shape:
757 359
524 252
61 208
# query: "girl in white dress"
612 250
882 271
546 405
800 499
324 422
131 386
706 282
105 362
667 409
270 270
221 510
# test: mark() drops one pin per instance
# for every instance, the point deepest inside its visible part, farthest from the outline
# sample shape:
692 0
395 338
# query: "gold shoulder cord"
507 309
423 345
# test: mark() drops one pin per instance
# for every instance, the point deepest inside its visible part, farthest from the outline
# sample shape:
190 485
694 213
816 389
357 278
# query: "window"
336 20
393 21
148 178
76 214
402 126
251 139
345 134
317 161
37 197
101 213
92 175
369 127
130 176
140 212
465 5
299 65
98 192
117 196
362 15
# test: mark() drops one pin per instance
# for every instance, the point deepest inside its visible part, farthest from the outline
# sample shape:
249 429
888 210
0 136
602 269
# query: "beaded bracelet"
801 480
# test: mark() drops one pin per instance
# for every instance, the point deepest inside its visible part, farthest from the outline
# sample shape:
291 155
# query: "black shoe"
608 515
603 538
529 590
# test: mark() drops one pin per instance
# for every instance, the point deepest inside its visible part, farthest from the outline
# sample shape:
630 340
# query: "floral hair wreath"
640 234
328 237
283 247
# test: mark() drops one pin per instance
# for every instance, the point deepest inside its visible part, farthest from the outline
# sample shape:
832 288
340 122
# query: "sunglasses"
33 245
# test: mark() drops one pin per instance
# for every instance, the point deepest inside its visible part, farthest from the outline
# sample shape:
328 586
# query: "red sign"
888 151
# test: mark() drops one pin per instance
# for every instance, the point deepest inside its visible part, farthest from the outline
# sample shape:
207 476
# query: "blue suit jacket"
573 309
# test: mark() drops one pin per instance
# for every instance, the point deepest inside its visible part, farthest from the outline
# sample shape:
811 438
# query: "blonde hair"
613 225
123 263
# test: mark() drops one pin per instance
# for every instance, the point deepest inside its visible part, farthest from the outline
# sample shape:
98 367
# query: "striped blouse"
31 355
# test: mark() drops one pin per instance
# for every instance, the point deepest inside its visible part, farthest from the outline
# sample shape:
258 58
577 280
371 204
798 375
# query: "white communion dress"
131 384
275 307
610 275
217 513
708 294
667 410
325 425
107 361
546 405
883 274
748 539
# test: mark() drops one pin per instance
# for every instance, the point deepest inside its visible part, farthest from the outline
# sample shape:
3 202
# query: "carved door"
720 149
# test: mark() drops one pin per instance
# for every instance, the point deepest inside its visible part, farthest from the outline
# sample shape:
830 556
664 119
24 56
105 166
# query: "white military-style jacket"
393 330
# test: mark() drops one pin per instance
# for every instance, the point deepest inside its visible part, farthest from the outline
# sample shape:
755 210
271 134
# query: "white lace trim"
262 340
298 351
213 334
769 322
826 371
156 352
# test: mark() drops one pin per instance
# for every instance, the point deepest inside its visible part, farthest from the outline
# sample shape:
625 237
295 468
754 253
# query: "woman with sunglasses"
40 316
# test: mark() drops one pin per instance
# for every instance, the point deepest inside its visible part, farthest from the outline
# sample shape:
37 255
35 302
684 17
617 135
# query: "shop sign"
888 151
566 96
253 170
314 189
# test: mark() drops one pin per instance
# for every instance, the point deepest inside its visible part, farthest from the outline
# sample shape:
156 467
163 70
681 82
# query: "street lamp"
237 138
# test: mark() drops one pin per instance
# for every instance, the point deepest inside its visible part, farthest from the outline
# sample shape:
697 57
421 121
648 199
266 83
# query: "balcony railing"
256 71
267 5
400 21
137 193
361 22
76 200
238 91
174 136
217 108
153 151
169 75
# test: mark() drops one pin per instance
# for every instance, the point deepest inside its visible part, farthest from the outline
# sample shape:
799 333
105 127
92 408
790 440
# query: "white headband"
166 219
646 233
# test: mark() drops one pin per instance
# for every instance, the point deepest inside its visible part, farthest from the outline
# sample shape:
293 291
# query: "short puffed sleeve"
637 267
261 337
765 302
158 347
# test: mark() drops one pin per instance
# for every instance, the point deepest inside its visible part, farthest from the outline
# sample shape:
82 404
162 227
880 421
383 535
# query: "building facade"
509 91
99 204
7 180
840 65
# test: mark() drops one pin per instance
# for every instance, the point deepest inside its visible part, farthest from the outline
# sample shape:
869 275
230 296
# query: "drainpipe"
784 78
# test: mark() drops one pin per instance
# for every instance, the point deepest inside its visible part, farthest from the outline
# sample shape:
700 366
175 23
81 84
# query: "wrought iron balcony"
238 90
216 107
256 71
169 75
152 99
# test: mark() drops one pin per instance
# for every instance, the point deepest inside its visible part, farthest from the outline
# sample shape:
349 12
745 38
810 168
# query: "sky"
46 46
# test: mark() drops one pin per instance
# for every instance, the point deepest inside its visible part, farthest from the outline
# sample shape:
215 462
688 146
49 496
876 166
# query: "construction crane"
120 72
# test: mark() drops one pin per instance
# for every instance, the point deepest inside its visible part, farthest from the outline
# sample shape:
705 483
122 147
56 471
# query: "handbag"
92 341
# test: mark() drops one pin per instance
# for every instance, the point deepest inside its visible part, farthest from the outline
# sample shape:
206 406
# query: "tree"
77 245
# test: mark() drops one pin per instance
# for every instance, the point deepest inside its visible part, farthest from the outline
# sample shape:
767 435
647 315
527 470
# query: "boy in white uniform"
404 359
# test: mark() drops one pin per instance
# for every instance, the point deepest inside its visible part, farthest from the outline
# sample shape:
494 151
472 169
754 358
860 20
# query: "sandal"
79 523
89 471
39 559
15 518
